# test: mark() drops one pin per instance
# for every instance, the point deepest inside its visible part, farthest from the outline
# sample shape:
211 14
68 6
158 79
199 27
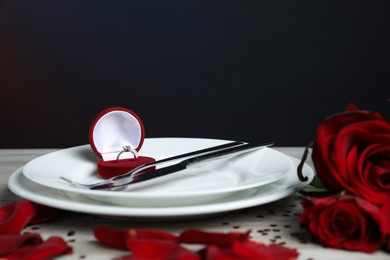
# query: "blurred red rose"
351 152
343 222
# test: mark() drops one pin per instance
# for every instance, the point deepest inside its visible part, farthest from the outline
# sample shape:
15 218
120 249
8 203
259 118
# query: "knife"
138 177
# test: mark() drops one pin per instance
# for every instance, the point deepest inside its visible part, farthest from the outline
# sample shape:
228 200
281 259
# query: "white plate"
204 182
284 187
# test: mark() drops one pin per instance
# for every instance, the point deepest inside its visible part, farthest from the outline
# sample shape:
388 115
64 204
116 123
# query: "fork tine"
82 185
74 183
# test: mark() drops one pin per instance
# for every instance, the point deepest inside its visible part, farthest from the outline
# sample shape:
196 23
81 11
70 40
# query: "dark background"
244 70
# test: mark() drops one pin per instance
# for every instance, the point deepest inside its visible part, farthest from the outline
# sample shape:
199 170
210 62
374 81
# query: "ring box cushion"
113 130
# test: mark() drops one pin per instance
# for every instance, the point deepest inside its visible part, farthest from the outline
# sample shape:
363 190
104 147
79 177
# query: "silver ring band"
127 149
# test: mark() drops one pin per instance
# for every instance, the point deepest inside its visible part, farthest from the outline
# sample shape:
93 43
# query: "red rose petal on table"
116 238
253 250
50 248
150 234
213 252
15 216
157 249
12 242
195 236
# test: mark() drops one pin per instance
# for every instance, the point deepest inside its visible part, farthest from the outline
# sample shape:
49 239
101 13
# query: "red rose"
351 152
343 222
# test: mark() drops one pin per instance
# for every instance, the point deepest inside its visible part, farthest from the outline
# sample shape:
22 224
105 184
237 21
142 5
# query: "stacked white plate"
213 187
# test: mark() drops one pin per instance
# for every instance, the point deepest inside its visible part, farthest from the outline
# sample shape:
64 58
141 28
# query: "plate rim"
158 213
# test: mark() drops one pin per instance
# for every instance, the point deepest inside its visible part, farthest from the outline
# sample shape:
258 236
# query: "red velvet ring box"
116 135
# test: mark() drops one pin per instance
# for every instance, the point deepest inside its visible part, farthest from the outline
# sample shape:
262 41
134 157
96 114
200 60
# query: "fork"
136 171
137 175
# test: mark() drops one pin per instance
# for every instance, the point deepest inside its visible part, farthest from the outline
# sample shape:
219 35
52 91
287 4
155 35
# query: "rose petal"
253 250
384 215
151 249
150 234
12 242
213 252
195 236
352 107
385 218
50 248
15 216
116 238
332 124
387 243
375 164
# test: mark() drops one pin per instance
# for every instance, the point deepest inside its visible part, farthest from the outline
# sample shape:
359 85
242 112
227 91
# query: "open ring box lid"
113 130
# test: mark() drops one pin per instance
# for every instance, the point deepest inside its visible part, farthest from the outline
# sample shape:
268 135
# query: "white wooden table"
277 222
